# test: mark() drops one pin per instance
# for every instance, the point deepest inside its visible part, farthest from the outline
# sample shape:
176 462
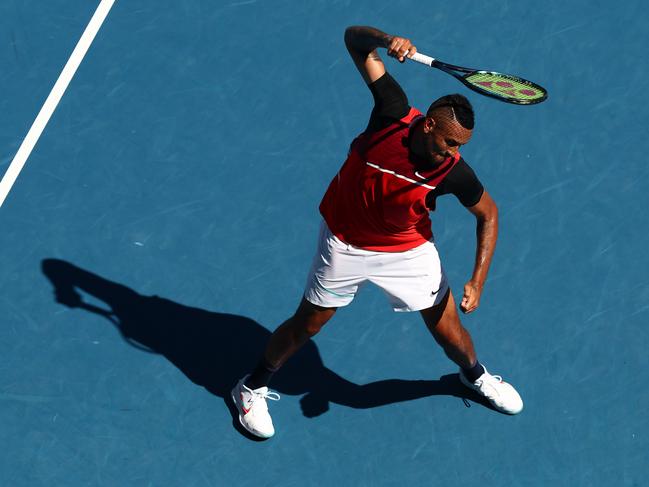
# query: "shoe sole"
236 404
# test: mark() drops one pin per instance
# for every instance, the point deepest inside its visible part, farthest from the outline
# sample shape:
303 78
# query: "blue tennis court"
165 222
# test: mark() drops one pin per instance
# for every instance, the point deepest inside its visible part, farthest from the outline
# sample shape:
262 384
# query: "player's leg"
414 281
288 338
251 392
336 274
443 322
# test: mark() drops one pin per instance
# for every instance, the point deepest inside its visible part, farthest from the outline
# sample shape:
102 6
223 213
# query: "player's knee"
310 320
312 329
313 322
314 313
301 328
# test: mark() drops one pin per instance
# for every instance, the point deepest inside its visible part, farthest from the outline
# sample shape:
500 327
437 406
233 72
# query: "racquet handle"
422 58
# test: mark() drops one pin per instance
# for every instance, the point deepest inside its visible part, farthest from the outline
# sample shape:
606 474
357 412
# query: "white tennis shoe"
500 394
253 410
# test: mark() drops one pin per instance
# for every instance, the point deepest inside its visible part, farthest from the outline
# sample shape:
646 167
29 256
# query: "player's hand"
471 298
401 48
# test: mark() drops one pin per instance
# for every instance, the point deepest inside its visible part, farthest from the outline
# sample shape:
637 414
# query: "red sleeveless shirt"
377 201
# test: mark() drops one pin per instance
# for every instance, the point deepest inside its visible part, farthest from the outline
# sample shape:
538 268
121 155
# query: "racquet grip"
422 58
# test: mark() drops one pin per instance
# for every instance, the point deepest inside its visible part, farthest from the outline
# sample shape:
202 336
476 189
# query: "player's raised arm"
362 43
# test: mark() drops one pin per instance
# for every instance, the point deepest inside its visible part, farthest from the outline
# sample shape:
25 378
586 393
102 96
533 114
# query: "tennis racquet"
503 87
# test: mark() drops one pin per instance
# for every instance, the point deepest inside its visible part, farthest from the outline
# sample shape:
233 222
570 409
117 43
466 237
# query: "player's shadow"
215 349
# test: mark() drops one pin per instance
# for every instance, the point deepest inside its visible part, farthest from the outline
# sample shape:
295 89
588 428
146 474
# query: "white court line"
54 98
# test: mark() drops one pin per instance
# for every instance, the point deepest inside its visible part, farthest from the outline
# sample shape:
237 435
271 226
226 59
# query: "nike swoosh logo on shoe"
243 408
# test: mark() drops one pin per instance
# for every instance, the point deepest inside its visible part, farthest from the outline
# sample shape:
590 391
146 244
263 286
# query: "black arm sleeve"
462 182
390 103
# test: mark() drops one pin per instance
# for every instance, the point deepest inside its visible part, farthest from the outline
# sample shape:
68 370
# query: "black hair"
461 108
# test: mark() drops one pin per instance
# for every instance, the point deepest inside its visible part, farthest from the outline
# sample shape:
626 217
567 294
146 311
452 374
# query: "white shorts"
413 279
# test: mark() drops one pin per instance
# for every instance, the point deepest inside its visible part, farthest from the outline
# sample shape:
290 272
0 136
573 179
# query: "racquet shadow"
215 350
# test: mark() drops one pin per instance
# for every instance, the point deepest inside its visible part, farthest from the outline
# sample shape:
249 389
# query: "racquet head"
505 87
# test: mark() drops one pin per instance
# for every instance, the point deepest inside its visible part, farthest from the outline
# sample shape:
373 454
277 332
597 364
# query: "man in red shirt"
376 229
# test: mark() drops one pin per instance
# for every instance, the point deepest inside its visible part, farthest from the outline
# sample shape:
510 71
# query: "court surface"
166 219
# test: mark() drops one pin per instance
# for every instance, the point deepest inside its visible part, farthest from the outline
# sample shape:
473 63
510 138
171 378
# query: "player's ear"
429 125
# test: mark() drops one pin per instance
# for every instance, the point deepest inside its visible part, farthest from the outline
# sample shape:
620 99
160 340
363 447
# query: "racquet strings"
506 86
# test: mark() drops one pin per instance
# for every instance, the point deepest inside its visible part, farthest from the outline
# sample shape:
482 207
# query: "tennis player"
376 228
